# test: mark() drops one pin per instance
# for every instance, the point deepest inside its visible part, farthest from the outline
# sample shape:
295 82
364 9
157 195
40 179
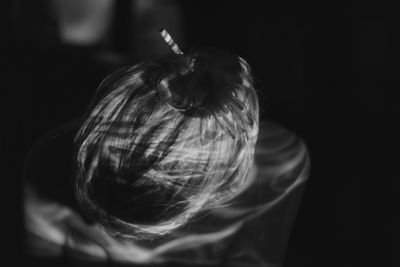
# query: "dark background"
330 76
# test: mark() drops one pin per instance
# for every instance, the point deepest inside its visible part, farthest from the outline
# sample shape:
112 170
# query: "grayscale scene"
200 133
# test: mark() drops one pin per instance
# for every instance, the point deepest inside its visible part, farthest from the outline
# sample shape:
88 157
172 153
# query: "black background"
329 75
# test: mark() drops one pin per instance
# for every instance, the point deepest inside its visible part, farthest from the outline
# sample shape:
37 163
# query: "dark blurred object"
65 48
83 22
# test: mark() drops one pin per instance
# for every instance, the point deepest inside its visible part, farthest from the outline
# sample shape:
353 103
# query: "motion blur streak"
260 216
